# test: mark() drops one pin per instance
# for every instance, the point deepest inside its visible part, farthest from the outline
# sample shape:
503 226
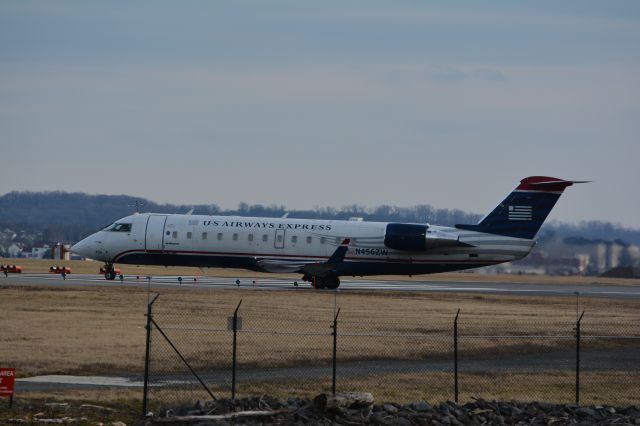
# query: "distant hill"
64 216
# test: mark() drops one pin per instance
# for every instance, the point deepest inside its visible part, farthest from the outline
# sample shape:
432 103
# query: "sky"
324 103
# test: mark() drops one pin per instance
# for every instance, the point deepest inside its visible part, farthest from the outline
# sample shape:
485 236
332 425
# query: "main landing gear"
109 272
331 282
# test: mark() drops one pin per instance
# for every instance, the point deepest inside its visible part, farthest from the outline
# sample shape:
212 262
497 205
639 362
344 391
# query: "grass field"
100 330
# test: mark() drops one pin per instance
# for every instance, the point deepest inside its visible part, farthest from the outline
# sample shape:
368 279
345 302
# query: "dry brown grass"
95 330
100 330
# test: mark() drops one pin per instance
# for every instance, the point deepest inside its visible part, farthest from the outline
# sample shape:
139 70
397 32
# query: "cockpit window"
122 227
118 227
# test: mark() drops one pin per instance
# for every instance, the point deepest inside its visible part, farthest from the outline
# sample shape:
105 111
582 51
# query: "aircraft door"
155 233
279 239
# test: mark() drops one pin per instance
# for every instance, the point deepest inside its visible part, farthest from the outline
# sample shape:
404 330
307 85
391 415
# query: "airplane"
324 250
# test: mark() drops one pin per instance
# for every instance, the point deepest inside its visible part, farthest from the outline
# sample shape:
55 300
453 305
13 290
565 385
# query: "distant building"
622 272
36 252
602 255
14 250
573 256
60 251
539 264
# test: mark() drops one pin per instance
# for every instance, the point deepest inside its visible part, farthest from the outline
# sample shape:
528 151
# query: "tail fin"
522 213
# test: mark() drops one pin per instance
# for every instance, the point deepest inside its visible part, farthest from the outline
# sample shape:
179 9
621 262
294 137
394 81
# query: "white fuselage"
284 245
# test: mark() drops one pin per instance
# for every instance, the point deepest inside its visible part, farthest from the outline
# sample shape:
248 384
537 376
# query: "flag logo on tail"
520 213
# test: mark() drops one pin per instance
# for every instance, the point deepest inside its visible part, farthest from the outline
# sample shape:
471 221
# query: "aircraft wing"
320 269
280 266
328 267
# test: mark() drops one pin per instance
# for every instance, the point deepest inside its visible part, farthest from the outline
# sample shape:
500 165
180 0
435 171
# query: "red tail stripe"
543 183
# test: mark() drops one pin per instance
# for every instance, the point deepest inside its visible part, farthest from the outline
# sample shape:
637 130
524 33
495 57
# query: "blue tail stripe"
520 215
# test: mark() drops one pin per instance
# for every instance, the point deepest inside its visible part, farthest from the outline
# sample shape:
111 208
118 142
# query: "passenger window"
309 239
323 240
219 235
235 237
175 234
265 238
204 235
189 234
294 239
250 237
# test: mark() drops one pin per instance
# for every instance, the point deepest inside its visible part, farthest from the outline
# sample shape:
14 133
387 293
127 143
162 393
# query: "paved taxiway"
554 360
512 288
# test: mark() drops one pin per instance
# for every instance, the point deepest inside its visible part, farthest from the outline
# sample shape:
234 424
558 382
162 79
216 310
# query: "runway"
212 283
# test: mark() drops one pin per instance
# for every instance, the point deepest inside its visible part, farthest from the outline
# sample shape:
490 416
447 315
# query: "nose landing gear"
109 272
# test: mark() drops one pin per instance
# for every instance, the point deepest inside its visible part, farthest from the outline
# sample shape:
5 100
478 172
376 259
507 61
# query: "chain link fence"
246 349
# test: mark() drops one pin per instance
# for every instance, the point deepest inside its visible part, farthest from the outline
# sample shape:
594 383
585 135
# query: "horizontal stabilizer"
546 184
555 182
523 212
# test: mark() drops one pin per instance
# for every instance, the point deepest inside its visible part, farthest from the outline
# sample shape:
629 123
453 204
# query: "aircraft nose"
81 248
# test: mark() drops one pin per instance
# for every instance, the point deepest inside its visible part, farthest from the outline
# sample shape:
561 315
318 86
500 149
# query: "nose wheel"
109 272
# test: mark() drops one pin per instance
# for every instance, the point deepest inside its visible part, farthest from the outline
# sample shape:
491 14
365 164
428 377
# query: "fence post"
184 360
235 343
145 391
335 351
455 357
578 358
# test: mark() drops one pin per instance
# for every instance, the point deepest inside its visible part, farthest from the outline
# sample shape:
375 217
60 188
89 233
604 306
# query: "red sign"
7 378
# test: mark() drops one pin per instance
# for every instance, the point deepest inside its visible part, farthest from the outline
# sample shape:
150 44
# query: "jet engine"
415 237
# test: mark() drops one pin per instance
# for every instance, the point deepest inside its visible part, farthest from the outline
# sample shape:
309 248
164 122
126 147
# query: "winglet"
328 267
340 253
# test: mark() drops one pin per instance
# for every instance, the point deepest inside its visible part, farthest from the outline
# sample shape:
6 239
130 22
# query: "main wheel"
110 275
332 282
319 283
